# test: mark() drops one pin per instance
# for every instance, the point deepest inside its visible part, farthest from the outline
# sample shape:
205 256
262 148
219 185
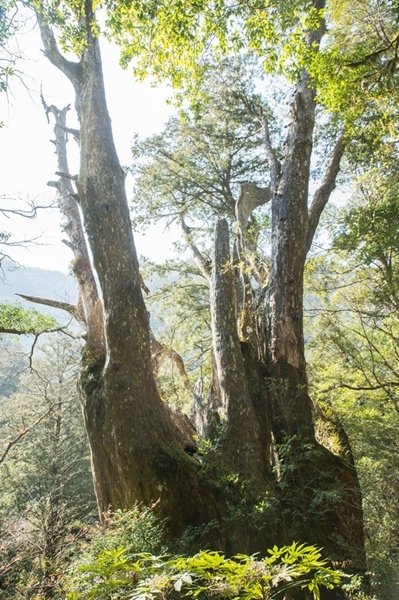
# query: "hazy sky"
28 161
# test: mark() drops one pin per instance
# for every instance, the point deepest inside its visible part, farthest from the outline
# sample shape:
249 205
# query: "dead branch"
67 175
72 309
251 196
160 352
71 69
74 132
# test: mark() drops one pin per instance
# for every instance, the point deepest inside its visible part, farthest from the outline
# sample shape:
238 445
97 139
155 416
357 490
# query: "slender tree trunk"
243 447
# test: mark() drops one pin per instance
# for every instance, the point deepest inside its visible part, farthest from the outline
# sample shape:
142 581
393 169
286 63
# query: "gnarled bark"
137 445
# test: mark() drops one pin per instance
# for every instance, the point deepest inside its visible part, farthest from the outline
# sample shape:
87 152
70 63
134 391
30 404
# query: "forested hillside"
223 424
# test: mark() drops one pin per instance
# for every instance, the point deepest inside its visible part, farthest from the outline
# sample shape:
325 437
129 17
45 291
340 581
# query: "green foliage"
181 320
353 355
137 530
117 573
104 563
70 18
356 73
46 481
12 364
193 168
369 231
15 318
7 59
176 39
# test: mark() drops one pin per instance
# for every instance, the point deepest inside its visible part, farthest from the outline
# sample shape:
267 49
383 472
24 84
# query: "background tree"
46 483
354 351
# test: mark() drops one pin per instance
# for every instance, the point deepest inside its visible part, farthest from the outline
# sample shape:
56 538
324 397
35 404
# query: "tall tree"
137 443
353 352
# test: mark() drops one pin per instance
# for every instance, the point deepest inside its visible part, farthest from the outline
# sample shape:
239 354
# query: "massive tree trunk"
319 492
137 444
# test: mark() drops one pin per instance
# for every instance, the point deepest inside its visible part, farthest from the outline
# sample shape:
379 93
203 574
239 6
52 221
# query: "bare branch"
160 352
6 568
67 175
74 132
28 213
323 193
202 263
370 388
22 434
69 308
373 55
73 227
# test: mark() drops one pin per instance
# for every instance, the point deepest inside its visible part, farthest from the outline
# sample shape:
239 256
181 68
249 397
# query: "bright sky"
28 161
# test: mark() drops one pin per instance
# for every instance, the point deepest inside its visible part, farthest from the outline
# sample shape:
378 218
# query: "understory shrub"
117 573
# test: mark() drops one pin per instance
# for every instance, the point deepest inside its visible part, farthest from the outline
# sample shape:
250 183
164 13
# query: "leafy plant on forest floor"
115 573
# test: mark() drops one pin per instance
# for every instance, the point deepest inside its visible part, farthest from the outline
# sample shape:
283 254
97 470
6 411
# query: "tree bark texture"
137 444
263 406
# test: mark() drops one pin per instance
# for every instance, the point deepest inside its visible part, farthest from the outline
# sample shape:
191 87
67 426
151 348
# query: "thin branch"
372 55
14 331
74 132
160 352
67 175
323 193
22 434
6 568
370 388
29 213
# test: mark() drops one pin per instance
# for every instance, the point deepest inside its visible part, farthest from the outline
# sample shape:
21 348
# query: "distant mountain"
37 282
33 282
54 285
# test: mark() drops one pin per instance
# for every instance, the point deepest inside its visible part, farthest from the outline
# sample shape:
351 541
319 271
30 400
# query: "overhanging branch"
69 308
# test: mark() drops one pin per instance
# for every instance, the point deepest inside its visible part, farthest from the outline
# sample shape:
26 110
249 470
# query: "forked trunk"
137 444
319 493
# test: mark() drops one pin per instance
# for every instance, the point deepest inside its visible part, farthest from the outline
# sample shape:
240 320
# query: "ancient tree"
266 431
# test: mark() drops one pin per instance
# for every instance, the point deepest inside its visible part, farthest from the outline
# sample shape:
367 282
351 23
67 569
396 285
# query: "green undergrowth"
117 573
